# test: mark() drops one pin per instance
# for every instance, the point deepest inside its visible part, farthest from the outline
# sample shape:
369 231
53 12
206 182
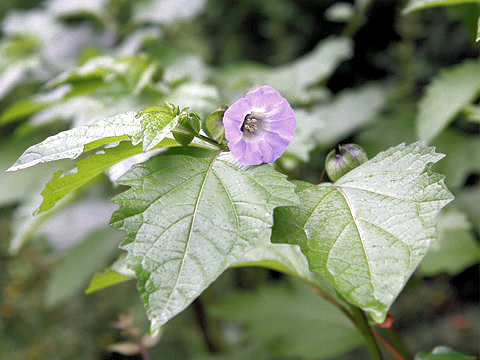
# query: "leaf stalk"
361 323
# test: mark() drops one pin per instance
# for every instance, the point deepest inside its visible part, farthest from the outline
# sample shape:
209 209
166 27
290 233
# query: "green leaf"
415 5
463 157
285 258
288 259
467 200
455 249
97 67
21 109
16 72
166 11
188 219
350 110
293 79
15 187
443 353
79 264
200 98
368 232
105 279
23 224
473 113
293 321
389 129
340 12
87 169
478 30
449 92
157 123
327 124
76 8
117 273
72 143
151 126
303 142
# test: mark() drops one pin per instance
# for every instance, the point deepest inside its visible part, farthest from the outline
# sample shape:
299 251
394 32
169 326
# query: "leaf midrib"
357 226
194 215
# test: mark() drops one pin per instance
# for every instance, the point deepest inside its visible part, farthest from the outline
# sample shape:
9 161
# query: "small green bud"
214 124
342 160
188 126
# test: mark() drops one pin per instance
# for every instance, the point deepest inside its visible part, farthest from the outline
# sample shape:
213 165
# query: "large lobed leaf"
368 232
188 219
452 90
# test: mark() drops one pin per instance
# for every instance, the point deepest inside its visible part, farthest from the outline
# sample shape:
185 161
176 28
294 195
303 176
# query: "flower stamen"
251 123
259 126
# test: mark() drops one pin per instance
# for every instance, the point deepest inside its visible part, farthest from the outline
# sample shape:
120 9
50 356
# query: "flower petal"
276 129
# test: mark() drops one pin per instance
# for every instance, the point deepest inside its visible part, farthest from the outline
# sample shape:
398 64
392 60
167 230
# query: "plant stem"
362 325
204 326
353 25
143 351
359 320
210 141
387 345
322 175
333 301
397 343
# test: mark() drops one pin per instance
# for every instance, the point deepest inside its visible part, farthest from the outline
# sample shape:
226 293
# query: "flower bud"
188 127
342 160
214 124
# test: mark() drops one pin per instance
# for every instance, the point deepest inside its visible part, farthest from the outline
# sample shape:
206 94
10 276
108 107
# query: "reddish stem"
388 346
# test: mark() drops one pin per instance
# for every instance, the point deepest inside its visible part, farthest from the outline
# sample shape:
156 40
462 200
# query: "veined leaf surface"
150 127
368 232
72 143
188 219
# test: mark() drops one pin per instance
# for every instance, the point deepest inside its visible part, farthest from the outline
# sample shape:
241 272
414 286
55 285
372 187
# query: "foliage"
384 242
135 93
451 91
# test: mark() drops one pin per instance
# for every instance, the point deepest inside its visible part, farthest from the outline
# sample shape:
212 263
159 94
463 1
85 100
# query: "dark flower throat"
251 123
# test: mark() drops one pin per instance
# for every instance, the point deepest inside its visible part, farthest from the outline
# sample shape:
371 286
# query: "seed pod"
342 160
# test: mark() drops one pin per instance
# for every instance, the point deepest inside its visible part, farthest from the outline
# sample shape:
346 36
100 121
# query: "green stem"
397 343
354 24
362 325
204 138
333 301
210 141
200 313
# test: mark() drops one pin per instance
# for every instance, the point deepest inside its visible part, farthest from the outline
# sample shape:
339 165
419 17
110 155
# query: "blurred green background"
364 85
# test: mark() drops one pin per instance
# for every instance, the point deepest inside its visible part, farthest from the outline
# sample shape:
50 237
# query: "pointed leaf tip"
188 219
368 232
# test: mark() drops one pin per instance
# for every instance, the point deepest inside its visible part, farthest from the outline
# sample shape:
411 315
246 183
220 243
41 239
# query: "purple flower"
259 126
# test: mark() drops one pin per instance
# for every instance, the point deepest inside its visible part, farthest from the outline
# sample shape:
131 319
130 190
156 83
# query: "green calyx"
343 159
